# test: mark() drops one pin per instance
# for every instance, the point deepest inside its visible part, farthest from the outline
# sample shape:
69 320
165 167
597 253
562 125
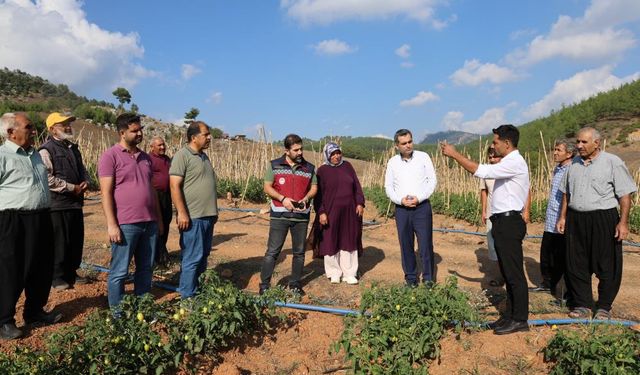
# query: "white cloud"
452 120
215 98
524 33
407 64
189 71
488 120
383 136
591 37
53 39
404 51
324 12
579 87
333 47
421 98
474 73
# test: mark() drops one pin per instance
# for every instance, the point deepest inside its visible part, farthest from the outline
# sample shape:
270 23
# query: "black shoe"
541 288
511 327
262 290
59 284
498 323
81 280
9 331
297 290
44 317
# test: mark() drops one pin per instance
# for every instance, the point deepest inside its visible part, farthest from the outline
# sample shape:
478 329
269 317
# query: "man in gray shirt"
26 253
593 187
193 191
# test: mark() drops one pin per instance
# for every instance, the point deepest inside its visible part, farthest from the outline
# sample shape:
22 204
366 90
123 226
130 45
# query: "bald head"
590 132
158 146
588 143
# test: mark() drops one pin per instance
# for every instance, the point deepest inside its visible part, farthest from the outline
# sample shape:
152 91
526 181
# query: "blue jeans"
139 241
195 243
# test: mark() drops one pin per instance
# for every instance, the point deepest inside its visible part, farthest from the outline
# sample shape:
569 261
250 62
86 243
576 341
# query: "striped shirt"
555 198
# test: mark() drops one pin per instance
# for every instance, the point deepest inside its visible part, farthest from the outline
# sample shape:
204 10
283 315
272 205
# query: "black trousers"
592 248
552 258
68 241
166 210
26 262
508 233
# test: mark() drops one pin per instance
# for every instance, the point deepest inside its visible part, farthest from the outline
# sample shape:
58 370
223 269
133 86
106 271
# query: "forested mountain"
20 91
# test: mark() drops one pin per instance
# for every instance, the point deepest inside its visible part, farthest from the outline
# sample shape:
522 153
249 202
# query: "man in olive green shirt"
25 237
193 191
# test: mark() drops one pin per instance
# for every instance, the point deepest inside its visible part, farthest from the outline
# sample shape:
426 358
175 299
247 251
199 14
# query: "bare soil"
302 345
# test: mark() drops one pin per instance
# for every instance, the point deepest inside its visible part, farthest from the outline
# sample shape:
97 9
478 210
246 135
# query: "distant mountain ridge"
454 137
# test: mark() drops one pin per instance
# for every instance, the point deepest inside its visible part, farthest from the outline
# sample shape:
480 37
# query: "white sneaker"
351 280
335 279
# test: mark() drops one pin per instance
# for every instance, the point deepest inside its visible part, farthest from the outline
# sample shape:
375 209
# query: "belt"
507 213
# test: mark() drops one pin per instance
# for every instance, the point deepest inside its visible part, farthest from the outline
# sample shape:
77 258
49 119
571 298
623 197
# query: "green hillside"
616 112
23 92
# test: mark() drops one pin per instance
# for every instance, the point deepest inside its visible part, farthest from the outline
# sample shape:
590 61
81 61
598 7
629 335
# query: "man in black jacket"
68 180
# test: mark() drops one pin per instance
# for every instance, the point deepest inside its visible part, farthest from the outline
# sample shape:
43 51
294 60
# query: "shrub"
149 338
254 189
594 350
378 196
399 328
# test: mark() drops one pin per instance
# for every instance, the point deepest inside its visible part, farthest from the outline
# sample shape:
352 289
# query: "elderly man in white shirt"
409 181
510 194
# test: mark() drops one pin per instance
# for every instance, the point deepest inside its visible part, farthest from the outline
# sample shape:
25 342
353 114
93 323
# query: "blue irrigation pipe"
373 222
348 312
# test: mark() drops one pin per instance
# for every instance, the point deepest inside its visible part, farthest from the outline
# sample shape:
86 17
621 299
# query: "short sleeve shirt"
133 195
23 179
597 185
199 184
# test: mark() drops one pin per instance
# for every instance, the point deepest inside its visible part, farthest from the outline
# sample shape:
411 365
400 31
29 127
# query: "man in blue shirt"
552 249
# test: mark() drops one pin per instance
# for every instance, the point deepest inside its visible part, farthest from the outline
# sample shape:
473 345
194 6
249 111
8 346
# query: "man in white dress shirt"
510 193
409 181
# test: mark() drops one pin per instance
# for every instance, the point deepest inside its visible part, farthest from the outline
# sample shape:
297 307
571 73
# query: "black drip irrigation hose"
347 312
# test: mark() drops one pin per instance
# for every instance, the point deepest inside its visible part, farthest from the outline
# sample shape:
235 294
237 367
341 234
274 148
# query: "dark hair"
401 133
194 129
509 133
491 152
292 139
124 120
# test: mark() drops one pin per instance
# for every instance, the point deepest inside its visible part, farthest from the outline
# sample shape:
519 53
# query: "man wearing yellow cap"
68 180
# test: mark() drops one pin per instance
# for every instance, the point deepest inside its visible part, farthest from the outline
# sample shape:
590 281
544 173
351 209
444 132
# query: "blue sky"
330 67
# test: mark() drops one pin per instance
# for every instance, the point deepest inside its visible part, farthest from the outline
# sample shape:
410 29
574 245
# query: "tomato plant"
399 328
594 350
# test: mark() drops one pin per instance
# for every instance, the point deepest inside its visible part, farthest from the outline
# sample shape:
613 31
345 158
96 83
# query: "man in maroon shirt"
160 164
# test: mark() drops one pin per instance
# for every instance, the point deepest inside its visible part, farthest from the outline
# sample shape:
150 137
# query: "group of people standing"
583 227
41 199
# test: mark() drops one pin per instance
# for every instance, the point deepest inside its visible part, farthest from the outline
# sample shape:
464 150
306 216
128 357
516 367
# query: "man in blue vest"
290 181
68 180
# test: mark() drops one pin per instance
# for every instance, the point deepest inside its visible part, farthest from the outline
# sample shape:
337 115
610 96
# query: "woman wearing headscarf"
339 207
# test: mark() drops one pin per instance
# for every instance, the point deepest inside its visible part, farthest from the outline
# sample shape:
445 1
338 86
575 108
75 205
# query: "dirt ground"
303 347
